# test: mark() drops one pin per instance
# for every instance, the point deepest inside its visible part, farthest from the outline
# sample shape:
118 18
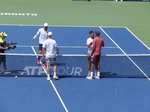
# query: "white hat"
45 24
49 34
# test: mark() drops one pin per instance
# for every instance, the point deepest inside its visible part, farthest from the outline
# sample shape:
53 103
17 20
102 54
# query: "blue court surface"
124 86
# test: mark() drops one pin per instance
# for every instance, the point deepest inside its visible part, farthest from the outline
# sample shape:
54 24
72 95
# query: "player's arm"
93 49
88 43
103 44
3 48
57 48
35 36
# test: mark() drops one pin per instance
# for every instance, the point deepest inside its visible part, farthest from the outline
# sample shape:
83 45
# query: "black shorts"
40 46
2 58
95 59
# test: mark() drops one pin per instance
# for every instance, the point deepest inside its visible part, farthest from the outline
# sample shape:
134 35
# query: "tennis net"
112 66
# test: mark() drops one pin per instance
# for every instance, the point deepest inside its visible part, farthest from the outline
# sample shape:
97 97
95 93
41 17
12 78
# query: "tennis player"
98 43
3 35
51 49
89 45
42 33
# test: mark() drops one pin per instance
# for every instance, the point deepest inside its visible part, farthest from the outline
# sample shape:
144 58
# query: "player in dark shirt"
3 35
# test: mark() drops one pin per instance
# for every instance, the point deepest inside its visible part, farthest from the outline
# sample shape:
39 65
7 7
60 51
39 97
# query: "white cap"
49 34
45 24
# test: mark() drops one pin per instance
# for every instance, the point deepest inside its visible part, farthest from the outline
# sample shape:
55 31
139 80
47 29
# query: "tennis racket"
87 55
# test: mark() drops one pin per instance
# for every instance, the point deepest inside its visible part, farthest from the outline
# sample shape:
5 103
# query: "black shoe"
1 73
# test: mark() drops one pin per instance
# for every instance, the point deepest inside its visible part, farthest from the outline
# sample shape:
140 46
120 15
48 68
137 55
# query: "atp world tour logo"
38 70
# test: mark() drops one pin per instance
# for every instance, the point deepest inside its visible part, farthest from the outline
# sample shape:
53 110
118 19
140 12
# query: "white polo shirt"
50 46
42 35
89 40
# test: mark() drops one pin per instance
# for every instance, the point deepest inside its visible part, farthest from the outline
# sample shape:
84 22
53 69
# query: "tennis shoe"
38 62
48 78
7 72
56 77
97 77
1 73
89 74
43 65
89 77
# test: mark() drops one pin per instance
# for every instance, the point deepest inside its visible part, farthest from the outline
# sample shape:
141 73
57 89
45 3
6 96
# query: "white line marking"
110 27
126 54
61 25
53 86
138 38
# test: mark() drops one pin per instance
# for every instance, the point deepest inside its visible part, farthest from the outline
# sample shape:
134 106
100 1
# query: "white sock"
48 75
91 74
98 73
54 73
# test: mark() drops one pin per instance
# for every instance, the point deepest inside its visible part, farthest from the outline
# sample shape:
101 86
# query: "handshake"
10 45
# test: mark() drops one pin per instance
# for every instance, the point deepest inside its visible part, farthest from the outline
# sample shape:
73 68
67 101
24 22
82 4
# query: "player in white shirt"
89 45
50 50
42 33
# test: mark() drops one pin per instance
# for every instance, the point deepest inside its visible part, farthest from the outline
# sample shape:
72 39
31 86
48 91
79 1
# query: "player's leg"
97 64
55 68
39 52
43 61
48 68
89 67
4 65
93 64
0 65
92 61
92 70
96 68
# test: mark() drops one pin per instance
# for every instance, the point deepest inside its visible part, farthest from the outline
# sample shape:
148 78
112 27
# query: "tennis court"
73 92
125 83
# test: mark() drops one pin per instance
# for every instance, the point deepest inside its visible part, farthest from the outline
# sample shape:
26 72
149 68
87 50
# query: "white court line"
63 25
53 86
66 46
110 27
126 54
138 38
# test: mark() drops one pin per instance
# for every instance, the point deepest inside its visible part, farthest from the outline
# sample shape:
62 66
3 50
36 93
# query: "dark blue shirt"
2 43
